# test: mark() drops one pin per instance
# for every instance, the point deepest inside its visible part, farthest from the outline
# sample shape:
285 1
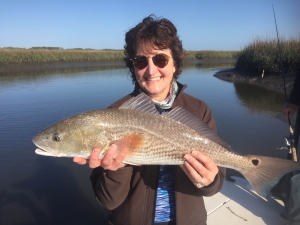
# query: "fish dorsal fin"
141 103
181 115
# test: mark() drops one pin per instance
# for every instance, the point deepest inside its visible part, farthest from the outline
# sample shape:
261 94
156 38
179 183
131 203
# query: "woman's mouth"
152 78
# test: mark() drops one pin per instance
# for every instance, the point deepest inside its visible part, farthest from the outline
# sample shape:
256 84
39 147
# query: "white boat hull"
238 204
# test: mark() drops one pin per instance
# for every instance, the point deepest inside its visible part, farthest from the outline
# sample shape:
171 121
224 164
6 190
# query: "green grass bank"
263 54
48 54
259 55
42 55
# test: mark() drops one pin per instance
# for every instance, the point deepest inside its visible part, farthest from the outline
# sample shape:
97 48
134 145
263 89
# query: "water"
45 190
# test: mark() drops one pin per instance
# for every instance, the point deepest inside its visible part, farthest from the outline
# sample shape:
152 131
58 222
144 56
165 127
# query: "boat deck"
238 204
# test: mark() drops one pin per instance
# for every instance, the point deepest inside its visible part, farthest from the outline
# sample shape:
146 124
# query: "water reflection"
56 196
8 79
258 99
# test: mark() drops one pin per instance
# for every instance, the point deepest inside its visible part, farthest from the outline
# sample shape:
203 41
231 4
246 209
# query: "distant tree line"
49 48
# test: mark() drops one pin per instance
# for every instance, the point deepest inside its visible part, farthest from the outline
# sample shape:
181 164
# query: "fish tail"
267 171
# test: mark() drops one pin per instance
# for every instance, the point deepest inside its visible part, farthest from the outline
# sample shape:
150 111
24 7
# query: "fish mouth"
39 150
43 152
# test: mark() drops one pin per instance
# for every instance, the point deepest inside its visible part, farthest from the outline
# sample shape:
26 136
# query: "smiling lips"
152 79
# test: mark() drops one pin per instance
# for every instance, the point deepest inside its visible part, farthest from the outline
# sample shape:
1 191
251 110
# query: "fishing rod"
289 141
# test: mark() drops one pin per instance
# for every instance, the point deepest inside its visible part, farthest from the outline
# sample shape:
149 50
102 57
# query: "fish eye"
56 137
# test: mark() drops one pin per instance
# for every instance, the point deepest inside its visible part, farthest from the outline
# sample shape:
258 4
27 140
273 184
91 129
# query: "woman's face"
153 80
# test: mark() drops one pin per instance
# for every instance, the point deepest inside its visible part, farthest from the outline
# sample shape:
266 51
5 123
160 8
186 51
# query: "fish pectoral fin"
130 144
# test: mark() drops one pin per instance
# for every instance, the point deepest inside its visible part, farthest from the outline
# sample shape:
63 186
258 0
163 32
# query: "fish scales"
165 141
154 139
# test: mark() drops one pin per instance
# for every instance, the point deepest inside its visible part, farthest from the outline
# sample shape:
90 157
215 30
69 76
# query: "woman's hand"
200 169
111 161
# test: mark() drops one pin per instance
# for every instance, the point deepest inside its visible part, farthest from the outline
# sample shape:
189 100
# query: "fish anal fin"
130 144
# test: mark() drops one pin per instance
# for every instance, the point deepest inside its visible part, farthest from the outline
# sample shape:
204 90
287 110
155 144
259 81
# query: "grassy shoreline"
9 55
16 55
262 55
258 56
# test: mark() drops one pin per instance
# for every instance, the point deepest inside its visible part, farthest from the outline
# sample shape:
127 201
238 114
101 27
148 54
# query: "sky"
99 24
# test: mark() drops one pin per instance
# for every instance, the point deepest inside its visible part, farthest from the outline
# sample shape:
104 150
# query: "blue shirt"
165 200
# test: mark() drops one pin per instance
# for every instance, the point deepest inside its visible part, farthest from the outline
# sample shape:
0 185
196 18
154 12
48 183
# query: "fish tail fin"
267 172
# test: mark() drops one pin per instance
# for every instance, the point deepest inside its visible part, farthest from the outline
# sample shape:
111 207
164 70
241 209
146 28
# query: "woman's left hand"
200 169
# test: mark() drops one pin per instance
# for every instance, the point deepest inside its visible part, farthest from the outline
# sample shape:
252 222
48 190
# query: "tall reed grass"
217 54
44 54
263 54
12 55
207 55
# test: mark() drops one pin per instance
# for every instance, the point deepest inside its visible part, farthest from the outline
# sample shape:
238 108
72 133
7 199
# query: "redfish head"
70 138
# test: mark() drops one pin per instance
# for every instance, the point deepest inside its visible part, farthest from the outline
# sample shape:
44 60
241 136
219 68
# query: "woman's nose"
151 68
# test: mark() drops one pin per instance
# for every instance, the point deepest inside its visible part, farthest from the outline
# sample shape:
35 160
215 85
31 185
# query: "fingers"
206 161
200 169
194 168
113 158
186 167
109 157
94 160
79 160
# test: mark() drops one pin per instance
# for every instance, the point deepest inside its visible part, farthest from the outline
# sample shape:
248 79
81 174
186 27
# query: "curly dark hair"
157 33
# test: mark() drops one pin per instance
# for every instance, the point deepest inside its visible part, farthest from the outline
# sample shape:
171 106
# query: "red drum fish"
155 139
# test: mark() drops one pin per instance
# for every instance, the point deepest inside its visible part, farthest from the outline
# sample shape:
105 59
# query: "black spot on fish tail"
255 162
266 172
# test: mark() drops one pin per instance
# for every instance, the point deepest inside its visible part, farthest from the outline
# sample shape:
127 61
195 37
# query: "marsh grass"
43 54
217 54
211 54
12 55
263 54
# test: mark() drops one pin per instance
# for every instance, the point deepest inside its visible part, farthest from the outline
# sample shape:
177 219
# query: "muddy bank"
271 82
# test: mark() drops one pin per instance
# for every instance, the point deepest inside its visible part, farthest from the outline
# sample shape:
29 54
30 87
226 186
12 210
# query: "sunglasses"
160 60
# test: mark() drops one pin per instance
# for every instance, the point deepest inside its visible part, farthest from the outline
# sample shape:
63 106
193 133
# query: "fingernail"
187 156
96 151
186 163
195 153
113 147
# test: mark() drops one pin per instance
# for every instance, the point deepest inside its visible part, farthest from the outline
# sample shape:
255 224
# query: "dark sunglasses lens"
160 60
140 62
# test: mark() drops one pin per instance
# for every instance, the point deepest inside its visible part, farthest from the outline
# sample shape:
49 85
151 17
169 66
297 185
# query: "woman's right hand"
111 161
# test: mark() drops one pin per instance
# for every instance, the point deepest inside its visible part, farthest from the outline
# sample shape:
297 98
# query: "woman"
156 194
